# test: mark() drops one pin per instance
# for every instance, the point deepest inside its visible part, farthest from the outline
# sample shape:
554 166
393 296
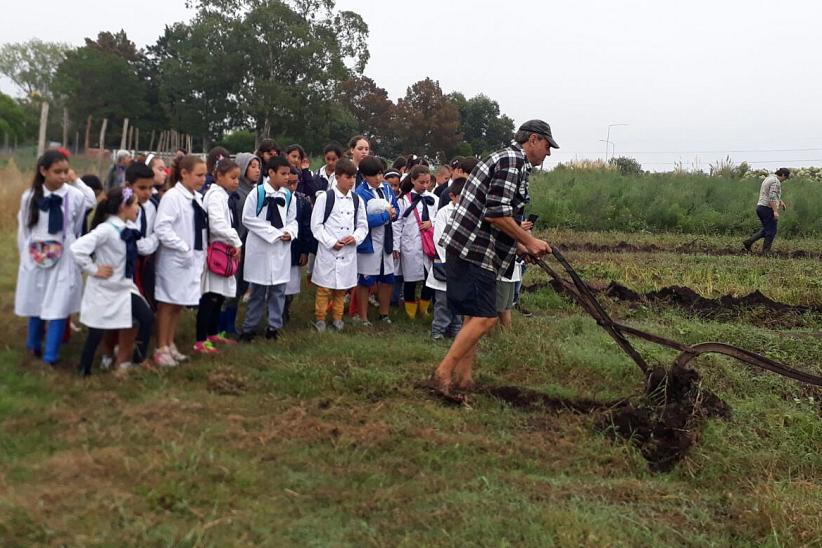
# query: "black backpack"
331 197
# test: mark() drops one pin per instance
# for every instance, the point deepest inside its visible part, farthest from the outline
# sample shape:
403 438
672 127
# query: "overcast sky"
694 81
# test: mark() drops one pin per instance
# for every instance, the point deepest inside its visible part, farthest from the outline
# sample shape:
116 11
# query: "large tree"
98 81
427 121
32 65
484 128
269 64
12 118
372 111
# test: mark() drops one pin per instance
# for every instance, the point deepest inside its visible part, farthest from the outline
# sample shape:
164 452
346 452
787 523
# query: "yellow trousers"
337 298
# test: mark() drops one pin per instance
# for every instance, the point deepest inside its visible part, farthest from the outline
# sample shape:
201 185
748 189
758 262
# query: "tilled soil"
664 423
770 312
695 247
668 420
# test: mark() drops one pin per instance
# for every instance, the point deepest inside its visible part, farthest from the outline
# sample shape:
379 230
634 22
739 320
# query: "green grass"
665 202
329 443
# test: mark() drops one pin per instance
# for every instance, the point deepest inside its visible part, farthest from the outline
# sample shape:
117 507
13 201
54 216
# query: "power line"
697 151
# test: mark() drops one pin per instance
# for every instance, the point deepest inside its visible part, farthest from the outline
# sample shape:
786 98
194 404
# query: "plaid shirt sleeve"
502 188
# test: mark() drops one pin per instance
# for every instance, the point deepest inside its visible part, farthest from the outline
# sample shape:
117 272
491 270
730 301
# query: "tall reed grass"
668 202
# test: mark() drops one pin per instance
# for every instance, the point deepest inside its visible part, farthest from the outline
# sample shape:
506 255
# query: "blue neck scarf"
53 205
130 237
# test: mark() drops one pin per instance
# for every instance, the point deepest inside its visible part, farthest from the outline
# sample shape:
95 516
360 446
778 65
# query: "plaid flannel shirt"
497 187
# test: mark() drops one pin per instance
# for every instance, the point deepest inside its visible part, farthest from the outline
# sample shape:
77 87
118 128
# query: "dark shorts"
472 290
372 280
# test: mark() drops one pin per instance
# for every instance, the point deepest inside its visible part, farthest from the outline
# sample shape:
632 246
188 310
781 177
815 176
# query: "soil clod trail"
691 248
664 423
668 420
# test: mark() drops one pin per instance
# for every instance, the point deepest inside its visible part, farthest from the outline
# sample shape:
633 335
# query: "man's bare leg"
463 348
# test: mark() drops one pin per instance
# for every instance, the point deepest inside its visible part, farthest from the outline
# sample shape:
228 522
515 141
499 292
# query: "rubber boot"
766 246
423 308
54 336
411 310
750 241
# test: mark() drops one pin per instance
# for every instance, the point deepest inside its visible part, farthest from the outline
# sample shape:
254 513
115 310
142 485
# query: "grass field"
324 440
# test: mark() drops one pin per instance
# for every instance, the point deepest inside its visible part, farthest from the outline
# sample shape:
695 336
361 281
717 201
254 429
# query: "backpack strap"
260 198
330 198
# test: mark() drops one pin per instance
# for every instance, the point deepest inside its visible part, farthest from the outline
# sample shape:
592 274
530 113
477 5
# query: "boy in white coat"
270 216
338 233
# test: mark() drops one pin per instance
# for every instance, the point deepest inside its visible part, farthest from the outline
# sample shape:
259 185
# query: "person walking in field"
767 209
482 243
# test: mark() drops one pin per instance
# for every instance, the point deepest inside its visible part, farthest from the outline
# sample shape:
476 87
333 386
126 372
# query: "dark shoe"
747 245
247 337
271 334
522 310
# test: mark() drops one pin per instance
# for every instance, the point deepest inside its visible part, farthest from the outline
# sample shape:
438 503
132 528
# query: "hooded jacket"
243 160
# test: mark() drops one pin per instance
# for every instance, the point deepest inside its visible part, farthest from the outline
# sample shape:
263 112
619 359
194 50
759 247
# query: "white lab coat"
407 239
215 202
337 269
106 302
267 256
441 222
49 293
178 267
88 193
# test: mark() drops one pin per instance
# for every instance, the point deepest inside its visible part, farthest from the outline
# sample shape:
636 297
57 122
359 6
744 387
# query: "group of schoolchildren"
218 232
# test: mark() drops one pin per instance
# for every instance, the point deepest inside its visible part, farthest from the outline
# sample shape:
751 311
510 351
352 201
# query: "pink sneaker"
205 347
220 338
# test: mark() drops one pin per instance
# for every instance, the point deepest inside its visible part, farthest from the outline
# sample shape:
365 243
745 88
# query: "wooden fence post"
124 137
65 127
44 120
102 148
88 135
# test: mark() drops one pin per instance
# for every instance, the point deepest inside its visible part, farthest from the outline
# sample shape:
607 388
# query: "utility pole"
608 139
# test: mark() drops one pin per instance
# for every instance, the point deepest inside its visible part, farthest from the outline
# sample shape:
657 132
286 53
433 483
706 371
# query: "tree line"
239 71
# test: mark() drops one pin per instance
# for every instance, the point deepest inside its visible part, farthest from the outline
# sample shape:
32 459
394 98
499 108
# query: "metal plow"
583 295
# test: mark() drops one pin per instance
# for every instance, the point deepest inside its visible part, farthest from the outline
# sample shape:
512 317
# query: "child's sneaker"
437 336
338 325
176 354
386 320
205 347
221 338
319 325
271 334
366 323
164 359
106 362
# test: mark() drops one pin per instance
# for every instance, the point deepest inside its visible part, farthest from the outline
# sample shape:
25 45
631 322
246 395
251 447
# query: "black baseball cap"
540 128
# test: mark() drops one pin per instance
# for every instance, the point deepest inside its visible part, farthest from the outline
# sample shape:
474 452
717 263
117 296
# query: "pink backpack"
223 259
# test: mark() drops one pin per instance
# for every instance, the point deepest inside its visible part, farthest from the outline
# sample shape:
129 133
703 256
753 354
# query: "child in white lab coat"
222 237
270 215
49 284
111 300
181 229
417 211
339 228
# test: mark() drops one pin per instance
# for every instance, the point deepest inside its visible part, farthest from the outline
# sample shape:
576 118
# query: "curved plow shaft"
580 291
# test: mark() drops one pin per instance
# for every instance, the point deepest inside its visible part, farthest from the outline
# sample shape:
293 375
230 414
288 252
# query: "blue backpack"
261 198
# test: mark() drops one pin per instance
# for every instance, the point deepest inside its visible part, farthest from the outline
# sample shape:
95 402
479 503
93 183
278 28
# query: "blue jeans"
54 337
